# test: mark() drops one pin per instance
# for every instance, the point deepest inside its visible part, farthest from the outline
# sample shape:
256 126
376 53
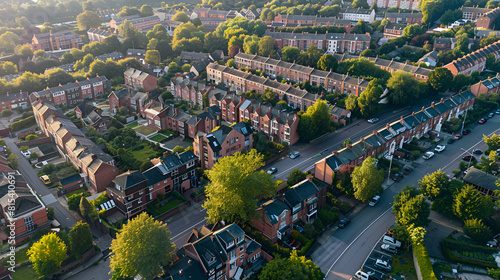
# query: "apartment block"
55 41
357 14
308 20
331 42
97 35
400 4
474 13
405 18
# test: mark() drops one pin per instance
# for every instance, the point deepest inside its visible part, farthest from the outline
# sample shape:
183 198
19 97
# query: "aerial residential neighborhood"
270 140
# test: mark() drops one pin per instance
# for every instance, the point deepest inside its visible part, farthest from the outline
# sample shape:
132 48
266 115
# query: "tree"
369 98
360 4
173 67
196 21
231 63
85 208
178 149
493 141
295 267
186 68
440 79
470 204
403 88
361 27
47 254
328 62
88 19
142 247
460 81
290 54
153 57
266 46
295 177
414 212
251 44
146 11
351 103
412 30
58 76
417 235
24 51
233 195
367 180
146 165
431 185
181 16
9 68
80 238
13 160
488 164
476 230
315 121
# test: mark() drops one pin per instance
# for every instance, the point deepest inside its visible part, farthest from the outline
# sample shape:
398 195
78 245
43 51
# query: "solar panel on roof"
162 169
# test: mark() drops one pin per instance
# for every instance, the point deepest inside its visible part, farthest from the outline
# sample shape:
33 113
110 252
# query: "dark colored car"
468 158
477 152
407 170
451 140
396 177
458 136
491 115
482 121
344 222
467 131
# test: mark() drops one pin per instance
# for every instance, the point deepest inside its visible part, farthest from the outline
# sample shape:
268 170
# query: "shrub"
455 251
415 154
318 225
23 124
424 262
6 113
50 213
327 217
476 230
74 200
31 137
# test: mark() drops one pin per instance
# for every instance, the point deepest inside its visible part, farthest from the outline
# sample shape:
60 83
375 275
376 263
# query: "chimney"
310 178
423 108
433 105
349 146
412 113
335 153
181 272
401 119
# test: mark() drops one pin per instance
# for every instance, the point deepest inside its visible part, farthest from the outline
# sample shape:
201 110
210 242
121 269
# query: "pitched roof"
129 179
480 178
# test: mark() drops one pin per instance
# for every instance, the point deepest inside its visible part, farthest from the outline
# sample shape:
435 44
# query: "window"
141 192
294 217
184 176
150 196
28 222
283 215
150 188
140 201
190 164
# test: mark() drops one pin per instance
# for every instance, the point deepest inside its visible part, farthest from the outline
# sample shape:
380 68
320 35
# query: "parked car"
407 170
491 115
272 170
374 200
373 120
26 154
477 152
468 158
451 140
389 248
295 155
383 265
482 121
45 179
497 112
344 222
467 131
396 177
391 241
365 275
439 148
428 155
458 136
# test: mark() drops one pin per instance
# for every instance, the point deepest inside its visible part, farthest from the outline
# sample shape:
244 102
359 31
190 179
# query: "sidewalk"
97 257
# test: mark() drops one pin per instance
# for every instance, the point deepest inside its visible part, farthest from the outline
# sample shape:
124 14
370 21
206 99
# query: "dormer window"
240 239
230 244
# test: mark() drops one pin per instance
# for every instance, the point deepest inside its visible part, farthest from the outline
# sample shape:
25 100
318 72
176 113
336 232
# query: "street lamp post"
463 123
391 154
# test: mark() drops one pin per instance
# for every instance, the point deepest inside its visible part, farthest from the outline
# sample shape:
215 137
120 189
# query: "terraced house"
332 42
428 120
391 65
475 61
99 168
240 82
331 81
488 86
308 20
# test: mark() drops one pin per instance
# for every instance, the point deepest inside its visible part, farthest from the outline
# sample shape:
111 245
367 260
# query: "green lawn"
23 273
158 138
179 199
403 265
21 256
78 191
144 130
132 125
143 154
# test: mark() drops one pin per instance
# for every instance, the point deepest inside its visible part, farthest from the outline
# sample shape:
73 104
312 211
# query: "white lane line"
355 239
190 228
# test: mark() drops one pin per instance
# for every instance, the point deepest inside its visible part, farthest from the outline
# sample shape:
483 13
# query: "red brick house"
21 208
405 18
393 30
489 86
223 253
474 13
137 79
134 101
297 20
475 61
14 100
53 41
298 205
487 20
72 183
224 141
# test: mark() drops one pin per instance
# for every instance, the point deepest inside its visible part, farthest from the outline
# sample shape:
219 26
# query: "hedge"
23 124
424 262
456 250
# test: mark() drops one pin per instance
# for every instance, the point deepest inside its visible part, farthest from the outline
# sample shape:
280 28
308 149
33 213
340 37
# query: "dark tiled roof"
70 179
480 178
129 179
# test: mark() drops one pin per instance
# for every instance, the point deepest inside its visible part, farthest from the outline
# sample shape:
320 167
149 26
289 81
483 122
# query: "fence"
34 142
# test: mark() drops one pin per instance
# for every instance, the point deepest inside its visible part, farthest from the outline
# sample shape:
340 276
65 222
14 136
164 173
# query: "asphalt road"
346 250
48 197
182 225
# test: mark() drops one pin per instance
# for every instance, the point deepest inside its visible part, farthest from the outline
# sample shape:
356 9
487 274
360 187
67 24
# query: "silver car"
295 155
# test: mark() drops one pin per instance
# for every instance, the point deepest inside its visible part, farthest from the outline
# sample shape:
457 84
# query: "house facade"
331 42
400 4
393 30
54 41
307 20
137 79
405 18
97 35
13 101
488 20
475 61
357 14
473 13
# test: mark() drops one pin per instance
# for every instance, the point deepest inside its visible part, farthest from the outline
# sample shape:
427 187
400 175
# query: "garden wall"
276 157
174 211
85 257
34 142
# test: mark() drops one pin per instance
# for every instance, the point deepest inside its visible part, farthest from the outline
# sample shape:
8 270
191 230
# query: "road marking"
191 228
355 239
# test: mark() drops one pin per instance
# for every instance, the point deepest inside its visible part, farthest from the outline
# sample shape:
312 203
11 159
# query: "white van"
391 241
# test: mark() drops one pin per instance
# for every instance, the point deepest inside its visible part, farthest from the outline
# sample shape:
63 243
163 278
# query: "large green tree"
266 46
295 267
493 141
367 180
142 247
153 57
80 238
431 185
181 16
470 204
369 98
403 88
411 209
315 121
47 254
328 62
290 54
88 19
440 79
251 44
478 231
235 185
295 177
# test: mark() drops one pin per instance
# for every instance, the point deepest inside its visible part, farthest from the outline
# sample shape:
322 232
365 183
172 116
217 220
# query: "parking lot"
377 253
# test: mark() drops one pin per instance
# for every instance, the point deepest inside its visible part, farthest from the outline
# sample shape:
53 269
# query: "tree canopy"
47 254
410 208
232 196
141 248
88 19
295 267
80 238
470 204
440 79
404 88
315 121
367 180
